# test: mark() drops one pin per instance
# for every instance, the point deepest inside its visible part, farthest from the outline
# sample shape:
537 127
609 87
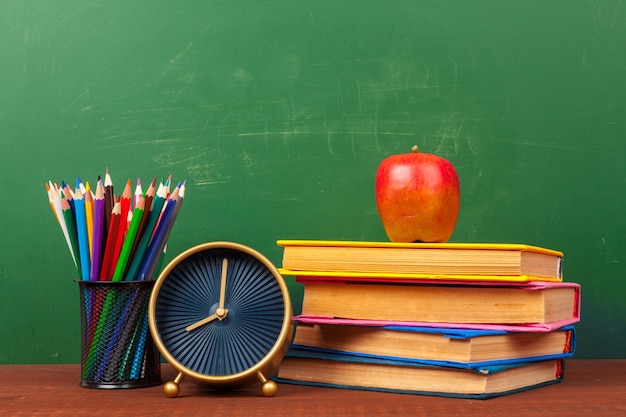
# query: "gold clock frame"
259 372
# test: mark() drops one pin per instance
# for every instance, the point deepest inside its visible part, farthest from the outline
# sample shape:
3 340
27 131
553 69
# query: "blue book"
456 347
336 370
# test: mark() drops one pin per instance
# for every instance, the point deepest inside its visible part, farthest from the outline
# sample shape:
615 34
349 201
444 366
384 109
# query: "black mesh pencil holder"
117 350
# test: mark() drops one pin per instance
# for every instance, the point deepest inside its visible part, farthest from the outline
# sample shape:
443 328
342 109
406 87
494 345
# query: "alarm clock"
220 313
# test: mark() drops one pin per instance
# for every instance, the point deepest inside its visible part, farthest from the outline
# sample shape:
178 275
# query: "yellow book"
444 261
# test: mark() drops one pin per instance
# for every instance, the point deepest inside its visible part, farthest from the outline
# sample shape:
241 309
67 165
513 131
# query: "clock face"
219 311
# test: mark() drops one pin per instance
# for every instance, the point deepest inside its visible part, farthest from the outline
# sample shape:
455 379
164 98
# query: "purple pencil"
98 232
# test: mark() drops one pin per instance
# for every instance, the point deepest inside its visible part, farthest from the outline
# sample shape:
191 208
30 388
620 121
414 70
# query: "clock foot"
269 387
172 388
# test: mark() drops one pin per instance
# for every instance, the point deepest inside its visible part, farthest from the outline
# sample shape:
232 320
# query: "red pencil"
122 228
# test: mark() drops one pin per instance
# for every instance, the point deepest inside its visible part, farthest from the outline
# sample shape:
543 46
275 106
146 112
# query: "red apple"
418 197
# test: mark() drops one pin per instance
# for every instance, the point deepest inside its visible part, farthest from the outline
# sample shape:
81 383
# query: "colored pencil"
175 203
140 350
130 339
81 231
135 264
155 249
98 232
126 313
71 230
89 216
181 196
167 184
123 225
109 199
49 189
56 202
129 240
138 193
96 340
107 270
149 197
129 245
81 186
69 196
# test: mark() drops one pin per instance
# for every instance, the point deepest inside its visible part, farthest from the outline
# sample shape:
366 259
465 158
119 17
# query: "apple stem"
414 149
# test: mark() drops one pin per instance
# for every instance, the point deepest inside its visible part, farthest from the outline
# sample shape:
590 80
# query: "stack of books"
459 320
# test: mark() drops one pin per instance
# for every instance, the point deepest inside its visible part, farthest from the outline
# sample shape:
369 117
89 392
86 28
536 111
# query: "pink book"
328 301
529 327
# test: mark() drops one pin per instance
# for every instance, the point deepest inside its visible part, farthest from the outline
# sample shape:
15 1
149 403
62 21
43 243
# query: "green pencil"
129 240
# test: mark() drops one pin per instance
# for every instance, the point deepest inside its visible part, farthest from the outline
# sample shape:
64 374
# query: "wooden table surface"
590 388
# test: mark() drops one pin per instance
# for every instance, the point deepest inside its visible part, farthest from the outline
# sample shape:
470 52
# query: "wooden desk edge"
589 386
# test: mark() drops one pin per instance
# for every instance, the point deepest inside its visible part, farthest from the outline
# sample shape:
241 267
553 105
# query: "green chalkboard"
277 113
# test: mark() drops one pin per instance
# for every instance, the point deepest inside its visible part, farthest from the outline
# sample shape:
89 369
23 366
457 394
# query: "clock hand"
221 312
223 283
201 322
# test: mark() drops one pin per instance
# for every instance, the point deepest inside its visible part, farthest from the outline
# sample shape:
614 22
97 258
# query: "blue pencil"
81 230
140 350
155 248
